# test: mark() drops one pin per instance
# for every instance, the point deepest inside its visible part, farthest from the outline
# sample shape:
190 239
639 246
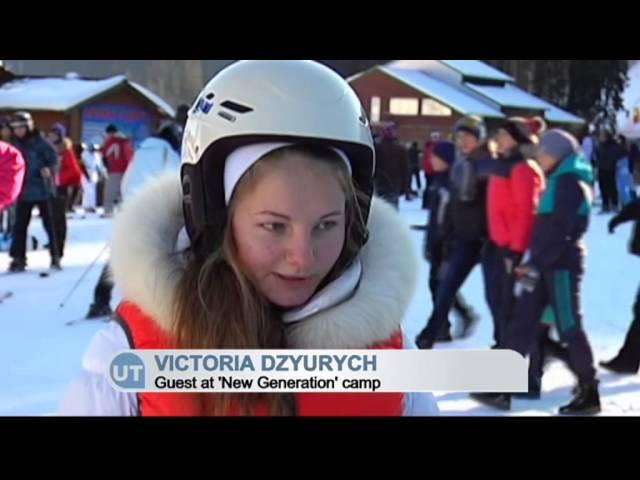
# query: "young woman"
271 240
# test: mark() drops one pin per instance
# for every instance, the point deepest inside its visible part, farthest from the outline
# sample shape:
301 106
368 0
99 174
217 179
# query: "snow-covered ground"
39 355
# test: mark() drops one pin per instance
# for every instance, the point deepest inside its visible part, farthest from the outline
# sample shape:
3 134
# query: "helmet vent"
236 107
227 116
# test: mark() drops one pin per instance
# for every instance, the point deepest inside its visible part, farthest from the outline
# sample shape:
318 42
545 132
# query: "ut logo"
127 371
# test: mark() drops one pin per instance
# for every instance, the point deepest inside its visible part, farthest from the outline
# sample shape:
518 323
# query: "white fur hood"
146 269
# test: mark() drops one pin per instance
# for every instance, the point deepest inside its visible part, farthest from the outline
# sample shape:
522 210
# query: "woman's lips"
293 280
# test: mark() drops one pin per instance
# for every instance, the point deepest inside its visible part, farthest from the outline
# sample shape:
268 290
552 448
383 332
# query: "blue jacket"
37 154
557 241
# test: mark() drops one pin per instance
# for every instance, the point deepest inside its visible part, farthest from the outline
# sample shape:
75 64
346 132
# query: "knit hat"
537 125
389 132
558 144
518 129
445 151
60 129
243 158
473 125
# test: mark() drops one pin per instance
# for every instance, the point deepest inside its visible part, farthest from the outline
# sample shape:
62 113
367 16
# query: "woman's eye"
328 225
274 227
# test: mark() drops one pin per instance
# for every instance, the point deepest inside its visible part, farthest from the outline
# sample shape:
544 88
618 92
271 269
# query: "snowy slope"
39 355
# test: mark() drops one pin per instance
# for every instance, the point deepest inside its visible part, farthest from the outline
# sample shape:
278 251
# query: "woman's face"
5 133
546 161
505 141
438 164
289 228
466 142
53 137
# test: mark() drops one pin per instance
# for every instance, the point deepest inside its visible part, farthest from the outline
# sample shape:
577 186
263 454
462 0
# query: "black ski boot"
622 365
17 266
55 264
586 401
445 334
628 359
424 341
500 401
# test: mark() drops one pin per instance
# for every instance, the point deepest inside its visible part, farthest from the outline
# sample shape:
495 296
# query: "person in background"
607 156
427 167
634 162
468 205
69 177
514 190
6 134
628 359
156 155
439 232
93 169
551 273
12 167
38 190
8 212
624 177
392 168
182 115
117 153
414 166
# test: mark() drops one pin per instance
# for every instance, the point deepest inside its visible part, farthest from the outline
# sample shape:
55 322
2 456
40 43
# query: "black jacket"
392 168
608 154
469 180
440 228
630 213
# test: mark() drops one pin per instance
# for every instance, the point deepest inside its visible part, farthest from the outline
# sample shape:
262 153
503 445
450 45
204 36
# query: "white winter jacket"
153 158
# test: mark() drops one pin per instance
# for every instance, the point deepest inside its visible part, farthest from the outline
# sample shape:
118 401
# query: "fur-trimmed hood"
147 269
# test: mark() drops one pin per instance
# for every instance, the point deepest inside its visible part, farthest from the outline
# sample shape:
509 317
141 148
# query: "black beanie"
518 130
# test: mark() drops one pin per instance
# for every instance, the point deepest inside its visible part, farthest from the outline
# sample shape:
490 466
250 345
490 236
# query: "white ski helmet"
253 101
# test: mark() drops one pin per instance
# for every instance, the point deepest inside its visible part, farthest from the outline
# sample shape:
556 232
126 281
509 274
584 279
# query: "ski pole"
87 270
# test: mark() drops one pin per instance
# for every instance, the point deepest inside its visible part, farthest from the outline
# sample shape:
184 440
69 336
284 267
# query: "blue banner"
134 122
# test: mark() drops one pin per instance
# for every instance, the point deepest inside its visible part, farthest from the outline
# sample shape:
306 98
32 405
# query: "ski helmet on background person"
259 101
22 119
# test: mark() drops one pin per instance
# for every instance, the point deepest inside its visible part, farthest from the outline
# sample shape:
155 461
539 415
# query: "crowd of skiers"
518 203
45 170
